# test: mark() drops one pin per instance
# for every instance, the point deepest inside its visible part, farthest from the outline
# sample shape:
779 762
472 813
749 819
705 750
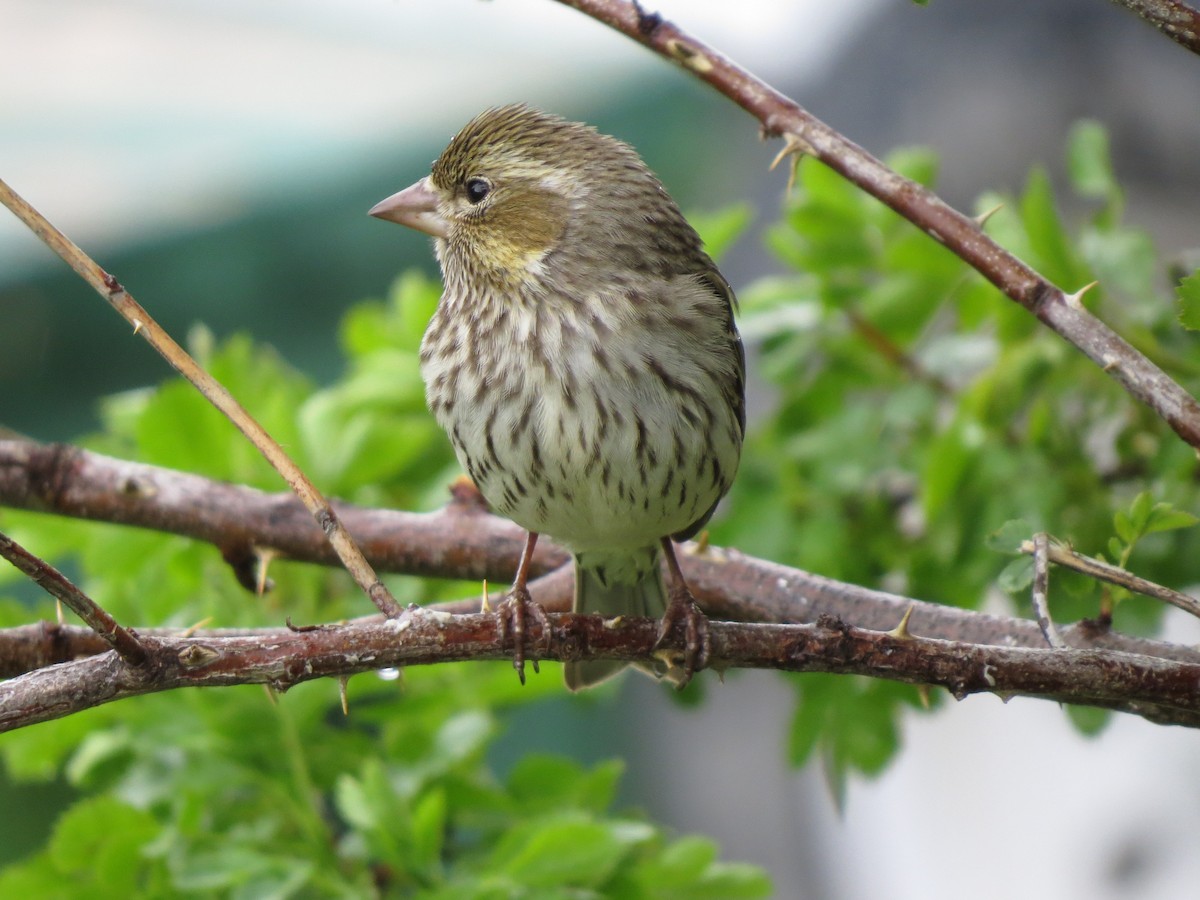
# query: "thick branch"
462 541
459 541
781 116
1161 690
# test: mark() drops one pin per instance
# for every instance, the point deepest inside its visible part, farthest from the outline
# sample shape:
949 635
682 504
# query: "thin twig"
60 587
1178 21
1064 556
1041 591
111 290
802 132
894 353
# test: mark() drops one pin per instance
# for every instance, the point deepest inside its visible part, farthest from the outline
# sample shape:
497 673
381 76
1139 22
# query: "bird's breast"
574 429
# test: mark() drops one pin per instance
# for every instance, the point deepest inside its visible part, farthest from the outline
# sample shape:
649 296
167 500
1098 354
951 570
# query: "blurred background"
219 156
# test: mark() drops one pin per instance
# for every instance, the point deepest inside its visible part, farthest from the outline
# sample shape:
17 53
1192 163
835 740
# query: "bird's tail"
628 584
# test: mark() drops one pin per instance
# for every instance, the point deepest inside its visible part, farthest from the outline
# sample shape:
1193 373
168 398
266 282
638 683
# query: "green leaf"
429 818
851 720
947 462
1089 161
689 868
1124 527
353 804
103 751
1188 295
95 851
246 871
1164 517
1088 719
720 229
688 855
1115 548
566 850
1017 576
179 428
1123 260
541 782
1049 241
1140 510
1009 537
917 163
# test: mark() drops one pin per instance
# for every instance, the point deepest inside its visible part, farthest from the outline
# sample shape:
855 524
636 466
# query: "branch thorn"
342 682
923 694
192 629
982 218
1075 300
264 556
901 632
795 147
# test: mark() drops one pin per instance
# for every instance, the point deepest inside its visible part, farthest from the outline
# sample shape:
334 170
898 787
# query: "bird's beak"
416 207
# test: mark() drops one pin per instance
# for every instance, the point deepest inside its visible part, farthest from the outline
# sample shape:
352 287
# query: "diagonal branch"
1059 554
59 586
122 301
1175 19
782 117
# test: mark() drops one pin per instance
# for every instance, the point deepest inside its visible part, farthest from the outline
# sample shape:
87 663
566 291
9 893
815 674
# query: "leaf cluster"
913 411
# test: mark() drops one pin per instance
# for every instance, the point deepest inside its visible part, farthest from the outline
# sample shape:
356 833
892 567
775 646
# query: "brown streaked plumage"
583 358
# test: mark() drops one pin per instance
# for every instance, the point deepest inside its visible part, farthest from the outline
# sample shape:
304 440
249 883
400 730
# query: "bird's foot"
683 611
514 612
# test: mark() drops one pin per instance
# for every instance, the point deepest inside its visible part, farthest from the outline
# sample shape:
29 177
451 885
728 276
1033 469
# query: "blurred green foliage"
917 426
917 412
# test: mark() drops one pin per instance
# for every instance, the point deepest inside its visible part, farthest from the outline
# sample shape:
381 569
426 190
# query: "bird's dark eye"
477 189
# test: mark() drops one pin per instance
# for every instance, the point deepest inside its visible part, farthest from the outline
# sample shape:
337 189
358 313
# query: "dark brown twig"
59 586
803 133
1177 20
1063 556
122 301
1041 591
1158 689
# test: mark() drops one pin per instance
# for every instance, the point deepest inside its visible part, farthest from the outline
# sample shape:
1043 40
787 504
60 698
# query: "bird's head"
516 184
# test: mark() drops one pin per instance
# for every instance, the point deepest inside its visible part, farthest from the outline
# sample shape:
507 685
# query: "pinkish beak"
415 207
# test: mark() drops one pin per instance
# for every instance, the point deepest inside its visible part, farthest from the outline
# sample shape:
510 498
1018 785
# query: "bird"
584 361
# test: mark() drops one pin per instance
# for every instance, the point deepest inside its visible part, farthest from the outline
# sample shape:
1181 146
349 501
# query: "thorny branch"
1177 20
59 587
962 650
1158 689
122 301
802 132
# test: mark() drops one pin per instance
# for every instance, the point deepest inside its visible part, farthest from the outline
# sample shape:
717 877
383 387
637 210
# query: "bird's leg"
518 606
681 607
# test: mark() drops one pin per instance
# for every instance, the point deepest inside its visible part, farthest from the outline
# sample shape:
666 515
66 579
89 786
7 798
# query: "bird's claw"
682 609
514 613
